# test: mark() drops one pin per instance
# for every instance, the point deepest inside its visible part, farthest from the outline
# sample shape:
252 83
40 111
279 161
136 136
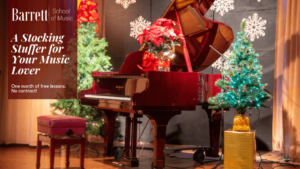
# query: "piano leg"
129 158
127 137
214 132
159 122
134 160
109 132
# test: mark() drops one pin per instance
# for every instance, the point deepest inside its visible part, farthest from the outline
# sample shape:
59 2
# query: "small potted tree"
242 83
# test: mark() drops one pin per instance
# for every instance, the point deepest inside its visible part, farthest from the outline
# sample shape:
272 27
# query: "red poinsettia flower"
165 22
177 32
160 29
166 34
141 39
156 30
153 31
157 40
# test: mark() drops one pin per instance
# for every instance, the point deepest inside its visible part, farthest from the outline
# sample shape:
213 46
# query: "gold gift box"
239 150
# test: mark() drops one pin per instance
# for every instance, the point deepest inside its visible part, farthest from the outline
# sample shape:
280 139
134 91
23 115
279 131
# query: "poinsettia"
165 22
160 35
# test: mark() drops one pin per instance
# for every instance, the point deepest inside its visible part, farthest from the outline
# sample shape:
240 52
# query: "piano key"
121 98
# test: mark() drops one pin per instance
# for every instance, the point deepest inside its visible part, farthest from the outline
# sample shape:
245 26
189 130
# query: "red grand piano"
162 95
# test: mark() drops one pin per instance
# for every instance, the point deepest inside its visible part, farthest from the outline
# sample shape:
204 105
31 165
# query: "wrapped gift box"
239 150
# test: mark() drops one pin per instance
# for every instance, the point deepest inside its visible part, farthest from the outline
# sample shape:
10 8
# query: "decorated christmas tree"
88 52
242 87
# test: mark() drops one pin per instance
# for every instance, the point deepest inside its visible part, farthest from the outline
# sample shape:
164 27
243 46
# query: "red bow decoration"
150 63
87 12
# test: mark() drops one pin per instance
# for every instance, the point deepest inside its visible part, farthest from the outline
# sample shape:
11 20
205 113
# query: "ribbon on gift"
87 12
163 63
148 59
150 63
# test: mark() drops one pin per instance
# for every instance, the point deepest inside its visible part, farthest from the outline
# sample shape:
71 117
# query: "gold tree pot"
241 121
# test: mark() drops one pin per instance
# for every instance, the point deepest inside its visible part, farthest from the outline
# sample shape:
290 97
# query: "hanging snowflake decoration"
218 64
255 26
125 3
222 6
138 26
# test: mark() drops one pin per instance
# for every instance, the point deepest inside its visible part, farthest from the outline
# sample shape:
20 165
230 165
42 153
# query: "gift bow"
150 62
87 12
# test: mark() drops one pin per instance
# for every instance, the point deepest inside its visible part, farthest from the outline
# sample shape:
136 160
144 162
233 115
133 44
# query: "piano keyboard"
108 97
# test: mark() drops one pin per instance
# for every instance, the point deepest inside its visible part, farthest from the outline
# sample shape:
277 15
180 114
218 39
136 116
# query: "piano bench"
54 126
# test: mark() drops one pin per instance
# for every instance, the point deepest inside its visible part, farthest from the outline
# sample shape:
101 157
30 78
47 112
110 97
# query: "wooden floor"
25 158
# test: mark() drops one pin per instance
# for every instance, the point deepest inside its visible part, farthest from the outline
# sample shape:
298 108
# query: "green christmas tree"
242 87
88 53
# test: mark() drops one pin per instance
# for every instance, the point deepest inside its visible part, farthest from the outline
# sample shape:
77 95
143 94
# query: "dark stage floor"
22 157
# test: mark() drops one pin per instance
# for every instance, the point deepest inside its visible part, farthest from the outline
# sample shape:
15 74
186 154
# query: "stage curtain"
18 118
286 110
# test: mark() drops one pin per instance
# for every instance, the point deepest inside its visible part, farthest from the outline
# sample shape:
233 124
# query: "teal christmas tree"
242 87
90 52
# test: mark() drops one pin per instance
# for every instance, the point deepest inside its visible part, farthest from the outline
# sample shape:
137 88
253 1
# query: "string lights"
242 83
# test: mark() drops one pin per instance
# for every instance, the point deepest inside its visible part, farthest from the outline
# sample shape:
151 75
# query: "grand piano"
162 95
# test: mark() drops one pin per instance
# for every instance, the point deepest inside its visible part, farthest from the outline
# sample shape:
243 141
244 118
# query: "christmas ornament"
125 3
222 6
255 26
137 26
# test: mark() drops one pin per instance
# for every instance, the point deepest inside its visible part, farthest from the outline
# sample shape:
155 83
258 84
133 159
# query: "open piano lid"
204 5
199 32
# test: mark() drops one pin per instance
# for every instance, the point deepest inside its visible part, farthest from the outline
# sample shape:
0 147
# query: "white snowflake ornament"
218 64
222 6
125 3
138 26
255 26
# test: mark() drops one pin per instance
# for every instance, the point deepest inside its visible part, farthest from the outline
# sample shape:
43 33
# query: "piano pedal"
199 156
118 155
